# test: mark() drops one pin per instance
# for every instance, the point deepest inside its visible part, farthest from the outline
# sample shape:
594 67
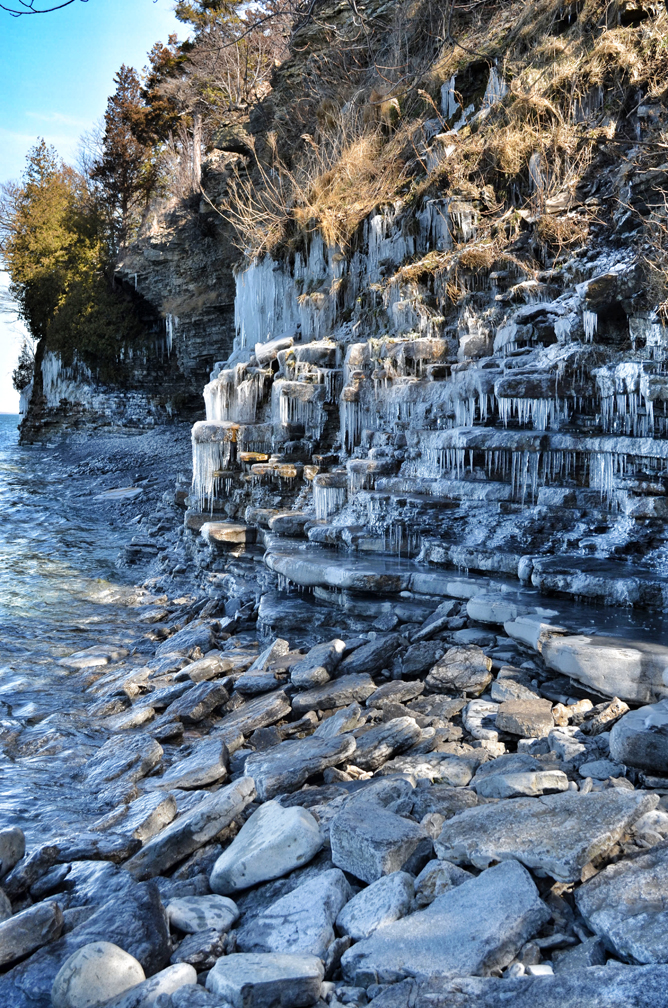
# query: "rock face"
559 834
273 842
625 905
473 928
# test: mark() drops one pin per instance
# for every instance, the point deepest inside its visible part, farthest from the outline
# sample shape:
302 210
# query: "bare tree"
28 7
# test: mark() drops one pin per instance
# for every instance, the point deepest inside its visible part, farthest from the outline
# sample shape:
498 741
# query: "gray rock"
441 767
601 769
287 766
5 906
526 718
94 974
522 784
640 739
211 667
337 693
559 833
479 717
597 987
461 670
201 949
257 713
208 762
419 658
508 763
345 720
273 842
368 841
318 665
381 743
588 953
129 756
142 818
199 913
184 642
444 800
626 905
192 996
372 657
475 927
133 920
29 930
197 702
192 829
300 922
164 983
396 691
510 689
12 848
436 878
380 903
81 847
266 980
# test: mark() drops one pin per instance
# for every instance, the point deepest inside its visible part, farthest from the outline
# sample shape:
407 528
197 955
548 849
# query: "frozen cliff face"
519 429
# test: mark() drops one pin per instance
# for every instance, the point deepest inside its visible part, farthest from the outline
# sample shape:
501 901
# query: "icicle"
590 324
327 500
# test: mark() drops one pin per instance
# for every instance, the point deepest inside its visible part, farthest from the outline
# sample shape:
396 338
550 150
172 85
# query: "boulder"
419 658
372 657
394 692
345 720
368 841
80 847
596 987
559 833
94 974
300 922
192 829
29 930
382 902
197 702
625 904
201 949
199 913
436 878
337 693
164 983
443 800
318 665
267 980
207 763
192 996
472 928
194 635
461 670
640 739
527 718
286 767
601 769
273 842
523 784
381 743
260 712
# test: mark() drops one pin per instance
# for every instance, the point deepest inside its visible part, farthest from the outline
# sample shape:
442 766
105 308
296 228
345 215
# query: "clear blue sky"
56 73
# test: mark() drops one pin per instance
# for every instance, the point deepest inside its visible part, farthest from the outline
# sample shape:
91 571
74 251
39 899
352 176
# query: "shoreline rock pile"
371 820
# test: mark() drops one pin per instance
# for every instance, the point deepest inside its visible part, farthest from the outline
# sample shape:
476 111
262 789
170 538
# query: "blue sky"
56 73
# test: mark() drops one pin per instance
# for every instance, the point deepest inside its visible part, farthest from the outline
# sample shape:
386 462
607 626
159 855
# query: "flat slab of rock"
93 657
273 842
192 830
227 533
371 657
207 763
395 692
318 665
630 670
266 980
286 767
197 702
260 712
626 905
194 635
369 842
596 987
522 784
461 670
381 743
345 720
381 903
337 693
131 757
640 739
300 922
558 833
472 928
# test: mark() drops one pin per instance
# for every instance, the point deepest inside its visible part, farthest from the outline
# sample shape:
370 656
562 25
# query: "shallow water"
59 592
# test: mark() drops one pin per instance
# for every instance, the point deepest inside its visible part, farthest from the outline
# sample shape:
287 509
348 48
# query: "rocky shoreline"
428 815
